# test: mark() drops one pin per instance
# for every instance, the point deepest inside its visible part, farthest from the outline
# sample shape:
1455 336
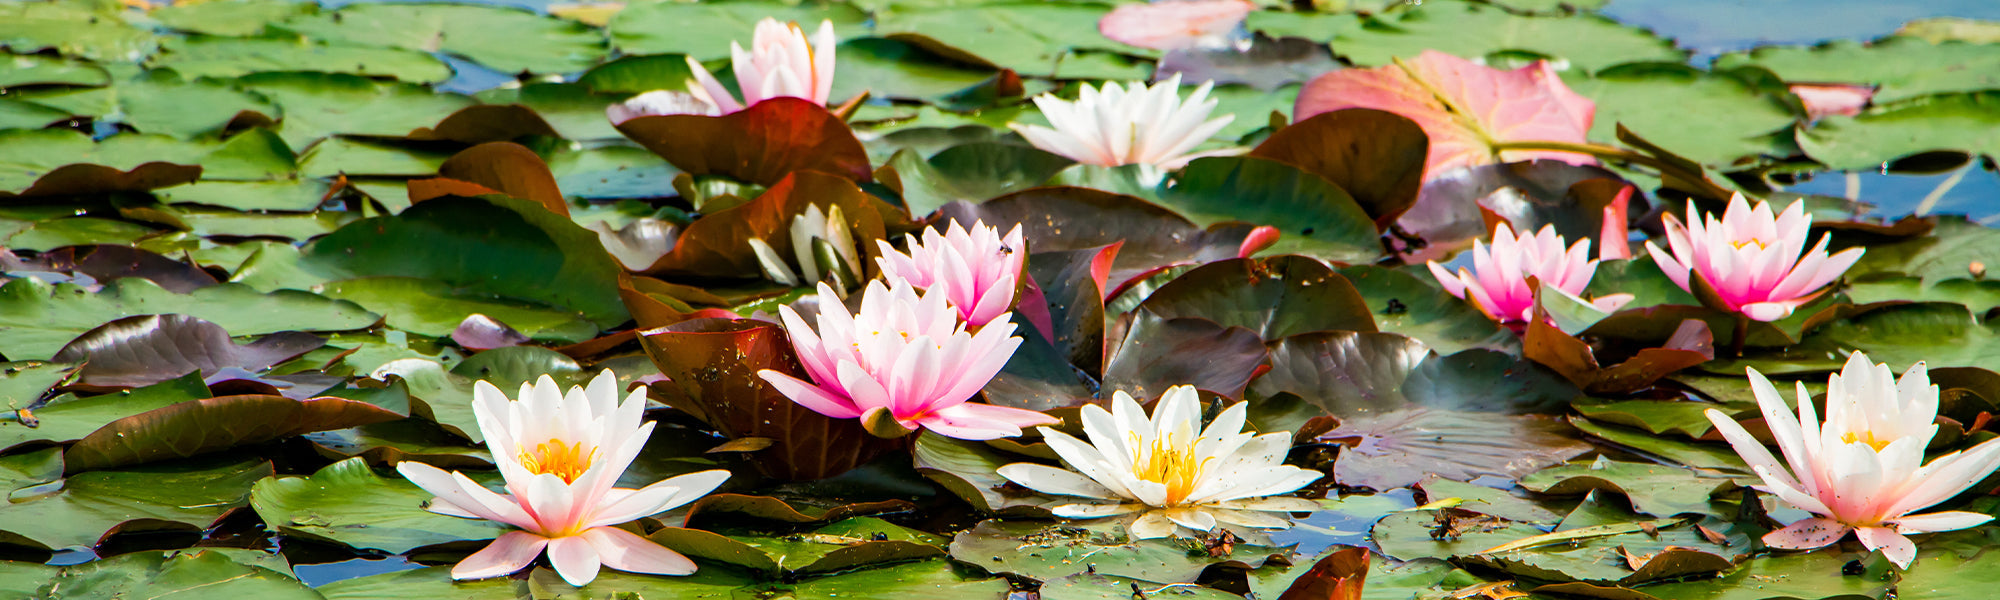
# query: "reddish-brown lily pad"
761 144
201 426
1377 156
718 245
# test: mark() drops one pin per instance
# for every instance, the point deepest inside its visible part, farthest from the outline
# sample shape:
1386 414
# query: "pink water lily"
1751 258
976 269
561 455
1862 469
1176 24
1498 280
903 361
781 61
661 102
1127 124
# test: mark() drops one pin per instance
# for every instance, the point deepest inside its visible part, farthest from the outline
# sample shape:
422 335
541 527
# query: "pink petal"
1172 25
1940 521
973 421
810 396
1767 311
510 553
621 550
1894 546
575 559
1807 534
1824 99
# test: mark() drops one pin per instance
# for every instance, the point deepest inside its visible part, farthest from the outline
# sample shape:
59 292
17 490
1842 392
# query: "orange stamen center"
553 457
1170 464
1865 437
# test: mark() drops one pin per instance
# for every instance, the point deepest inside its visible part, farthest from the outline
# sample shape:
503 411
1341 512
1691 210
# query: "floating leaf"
1376 156
1159 353
1055 219
84 508
1047 551
201 56
1653 99
503 38
1410 302
1267 64
704 31
349 503
1477 30
1658 490
201 426
1950 122
841 546
973 172
169 574
718 245
760 144
1317 218
147 349
1899 68
38 319
1277 297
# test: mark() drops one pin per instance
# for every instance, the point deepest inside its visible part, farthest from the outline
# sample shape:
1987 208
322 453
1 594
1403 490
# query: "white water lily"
561 456
1131 124
1170 469
814 224
639 243
1862 469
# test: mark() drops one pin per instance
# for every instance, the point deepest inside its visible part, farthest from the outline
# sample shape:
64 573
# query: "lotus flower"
1169 468
661 102
560 454
902 362
1751 258
780 62
639 243
1176 24
977 270
1861 470
808 228
1124 125
1498 281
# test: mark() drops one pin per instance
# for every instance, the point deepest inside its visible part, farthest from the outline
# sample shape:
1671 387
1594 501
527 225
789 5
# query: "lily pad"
434 308
1900 68
1410 302
504 39
349 503
1277 297
67 418
1741 114
837 547
1473 30
207 425
1951 122
172 575
1376 156
1658 490
1317 217
194 57
1047 551
704 30
760 144
83 508
973 172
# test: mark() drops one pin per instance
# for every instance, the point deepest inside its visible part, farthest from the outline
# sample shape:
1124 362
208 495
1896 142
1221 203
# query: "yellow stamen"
1865 437
1739 244
553 457
1170 464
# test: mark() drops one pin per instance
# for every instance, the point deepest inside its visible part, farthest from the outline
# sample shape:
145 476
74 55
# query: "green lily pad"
1658 490
1316 217
970 470
494 245
1653 99
1937 333
229 17
505 39
1901 68
434 308
974 172
1792 575
1277 297
1968 122
1410 302
194 57
34 69
349 503
67 418
704 30
21 383
840 546
1030 38
96 32
445 397
1948 252
175 576
1466 29
37 319
1693 454
435 583
158 102
190 428
316 105
1047 551
887 68
83 508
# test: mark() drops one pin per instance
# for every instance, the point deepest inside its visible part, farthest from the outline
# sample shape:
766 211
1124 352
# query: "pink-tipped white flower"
807 230
1124 125
1751 259
1168 466
902 362
976 270
1176 24
1862 469
1498 280
560 455
781 61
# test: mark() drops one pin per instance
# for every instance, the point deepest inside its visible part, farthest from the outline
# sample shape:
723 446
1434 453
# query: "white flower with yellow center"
1170 468
560 455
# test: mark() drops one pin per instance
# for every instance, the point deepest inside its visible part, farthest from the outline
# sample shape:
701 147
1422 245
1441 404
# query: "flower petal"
575 559
621 550
1807 534
511 552
1894 546
1051 480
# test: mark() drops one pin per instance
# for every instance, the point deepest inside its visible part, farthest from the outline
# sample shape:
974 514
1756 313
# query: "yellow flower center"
1739 244
1173 465
1865 437
553 457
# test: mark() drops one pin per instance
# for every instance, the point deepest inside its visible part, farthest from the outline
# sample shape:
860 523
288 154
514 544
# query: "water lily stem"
1615 153
1736 341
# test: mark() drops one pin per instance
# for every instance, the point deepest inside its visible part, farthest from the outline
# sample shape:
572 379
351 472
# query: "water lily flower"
1131 124
661 102
1176 24
560 455
808 228
1498 280
977 269
639 243
781 62
1862 469
903 361
1751 259
1169 468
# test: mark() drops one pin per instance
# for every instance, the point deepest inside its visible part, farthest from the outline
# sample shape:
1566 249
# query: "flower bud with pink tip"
976 269
781 61
1497 283
903 361
1751 258
1862 469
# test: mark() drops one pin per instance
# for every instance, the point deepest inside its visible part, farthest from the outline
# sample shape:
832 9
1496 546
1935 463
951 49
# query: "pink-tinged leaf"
1823 99
147 349
481 332
1175 24
1465 108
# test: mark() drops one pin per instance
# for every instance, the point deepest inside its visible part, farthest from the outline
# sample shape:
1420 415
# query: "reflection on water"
1973 191
1344 521
325 573
1711 27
